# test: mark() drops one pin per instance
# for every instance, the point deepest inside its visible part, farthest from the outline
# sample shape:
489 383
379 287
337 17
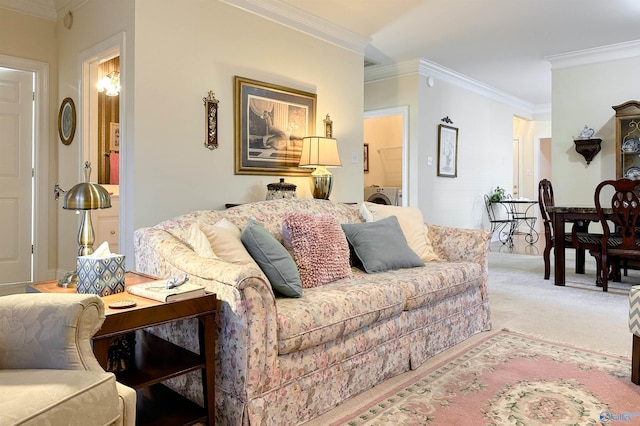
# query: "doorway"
101 133
386 137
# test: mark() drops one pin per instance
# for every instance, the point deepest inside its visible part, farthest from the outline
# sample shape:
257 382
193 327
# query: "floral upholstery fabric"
286 361
48 373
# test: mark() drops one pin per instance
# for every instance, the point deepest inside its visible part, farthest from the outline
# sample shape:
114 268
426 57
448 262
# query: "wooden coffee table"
155 359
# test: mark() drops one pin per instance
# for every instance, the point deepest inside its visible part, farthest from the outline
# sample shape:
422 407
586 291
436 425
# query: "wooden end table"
155 359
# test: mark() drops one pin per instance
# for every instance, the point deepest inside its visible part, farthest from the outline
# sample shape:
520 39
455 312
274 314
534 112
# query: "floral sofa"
286 360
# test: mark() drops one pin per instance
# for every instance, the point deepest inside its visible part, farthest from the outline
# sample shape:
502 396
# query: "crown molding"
427 68
629 49
39 8
287 15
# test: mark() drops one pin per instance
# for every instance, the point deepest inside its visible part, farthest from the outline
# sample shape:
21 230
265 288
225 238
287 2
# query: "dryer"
389 195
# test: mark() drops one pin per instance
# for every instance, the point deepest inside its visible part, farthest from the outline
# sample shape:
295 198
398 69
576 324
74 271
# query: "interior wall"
485 133
93 23
384 136
37 41
214 42
583 95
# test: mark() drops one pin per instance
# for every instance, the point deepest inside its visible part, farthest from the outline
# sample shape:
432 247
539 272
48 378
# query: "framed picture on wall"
114 134
447 151
365 157
270 122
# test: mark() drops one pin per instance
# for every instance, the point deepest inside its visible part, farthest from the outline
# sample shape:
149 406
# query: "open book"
156 290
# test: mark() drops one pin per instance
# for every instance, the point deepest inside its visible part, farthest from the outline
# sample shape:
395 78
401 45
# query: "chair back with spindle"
625 209
545 199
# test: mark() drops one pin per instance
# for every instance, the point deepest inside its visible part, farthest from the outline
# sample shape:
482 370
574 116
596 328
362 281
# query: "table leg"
558 249
635 361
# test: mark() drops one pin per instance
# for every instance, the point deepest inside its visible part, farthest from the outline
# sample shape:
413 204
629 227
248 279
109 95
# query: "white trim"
628 49
402 110
427 68
292 17
42 194
31 8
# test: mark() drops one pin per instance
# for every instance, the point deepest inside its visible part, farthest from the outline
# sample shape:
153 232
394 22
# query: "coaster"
122 304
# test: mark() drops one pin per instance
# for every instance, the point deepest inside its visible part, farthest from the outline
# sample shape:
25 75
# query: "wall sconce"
588 148
320 152
586 144
110 83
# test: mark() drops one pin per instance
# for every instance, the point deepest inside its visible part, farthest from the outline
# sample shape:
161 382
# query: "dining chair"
504 226
624 242
546 199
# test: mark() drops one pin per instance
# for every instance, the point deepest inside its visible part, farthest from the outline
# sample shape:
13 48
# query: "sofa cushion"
319 247
411 222
337 309
199 242
435 282
274 260
381 246
225 240
58 397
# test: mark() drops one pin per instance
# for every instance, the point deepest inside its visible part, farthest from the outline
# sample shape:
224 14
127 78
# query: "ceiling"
500 43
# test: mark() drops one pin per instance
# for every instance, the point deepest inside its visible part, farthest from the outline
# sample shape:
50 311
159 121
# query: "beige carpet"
579 314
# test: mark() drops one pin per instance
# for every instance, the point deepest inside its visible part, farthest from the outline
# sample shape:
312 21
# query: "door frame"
404 112
111 47
42 140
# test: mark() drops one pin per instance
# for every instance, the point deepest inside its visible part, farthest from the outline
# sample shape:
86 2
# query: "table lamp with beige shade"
320 153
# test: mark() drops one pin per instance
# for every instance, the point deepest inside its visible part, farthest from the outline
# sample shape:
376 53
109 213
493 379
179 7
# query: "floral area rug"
510 379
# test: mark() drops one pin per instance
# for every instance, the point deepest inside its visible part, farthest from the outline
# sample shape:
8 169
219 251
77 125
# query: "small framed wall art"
67 121
447 151
211 117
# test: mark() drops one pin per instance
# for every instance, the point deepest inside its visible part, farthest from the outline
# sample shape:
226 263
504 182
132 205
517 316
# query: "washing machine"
389 195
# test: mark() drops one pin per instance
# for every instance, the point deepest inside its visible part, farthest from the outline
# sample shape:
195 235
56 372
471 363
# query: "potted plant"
497 195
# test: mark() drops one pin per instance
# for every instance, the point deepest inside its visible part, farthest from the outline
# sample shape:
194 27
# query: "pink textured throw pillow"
319 247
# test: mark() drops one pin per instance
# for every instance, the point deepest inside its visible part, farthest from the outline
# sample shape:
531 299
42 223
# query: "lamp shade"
319 151
86 196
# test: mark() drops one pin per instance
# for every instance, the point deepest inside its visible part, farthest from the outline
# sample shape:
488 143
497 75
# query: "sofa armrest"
458 244
247 324
49 330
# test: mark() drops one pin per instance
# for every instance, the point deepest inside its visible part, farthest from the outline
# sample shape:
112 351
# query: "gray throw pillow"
381 245
274 260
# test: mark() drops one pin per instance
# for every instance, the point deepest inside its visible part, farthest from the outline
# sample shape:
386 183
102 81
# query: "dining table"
579 215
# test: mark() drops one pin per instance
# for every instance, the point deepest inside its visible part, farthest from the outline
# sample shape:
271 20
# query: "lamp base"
321 183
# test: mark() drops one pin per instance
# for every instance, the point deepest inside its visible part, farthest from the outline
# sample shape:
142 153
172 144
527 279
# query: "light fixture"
85 196
110 83
320 152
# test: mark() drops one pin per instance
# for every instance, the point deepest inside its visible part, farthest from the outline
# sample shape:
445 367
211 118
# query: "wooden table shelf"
156 359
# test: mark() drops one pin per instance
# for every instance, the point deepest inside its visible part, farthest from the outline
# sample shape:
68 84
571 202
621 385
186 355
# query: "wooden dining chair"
546 199
504 226
624 241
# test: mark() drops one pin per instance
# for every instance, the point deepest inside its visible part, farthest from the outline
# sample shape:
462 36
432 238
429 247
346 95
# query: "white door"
16 134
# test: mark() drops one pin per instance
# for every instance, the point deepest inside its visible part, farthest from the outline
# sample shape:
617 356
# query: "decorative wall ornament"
211 116
446 120
328 127
67 121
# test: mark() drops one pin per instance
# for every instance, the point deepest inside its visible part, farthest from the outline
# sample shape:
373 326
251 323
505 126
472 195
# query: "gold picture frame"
447 151
270 122
67 121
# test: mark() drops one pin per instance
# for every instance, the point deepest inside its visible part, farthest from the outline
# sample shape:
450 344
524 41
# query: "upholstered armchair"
48 373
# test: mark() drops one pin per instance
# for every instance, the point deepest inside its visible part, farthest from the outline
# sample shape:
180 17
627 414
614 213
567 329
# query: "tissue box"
103 276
